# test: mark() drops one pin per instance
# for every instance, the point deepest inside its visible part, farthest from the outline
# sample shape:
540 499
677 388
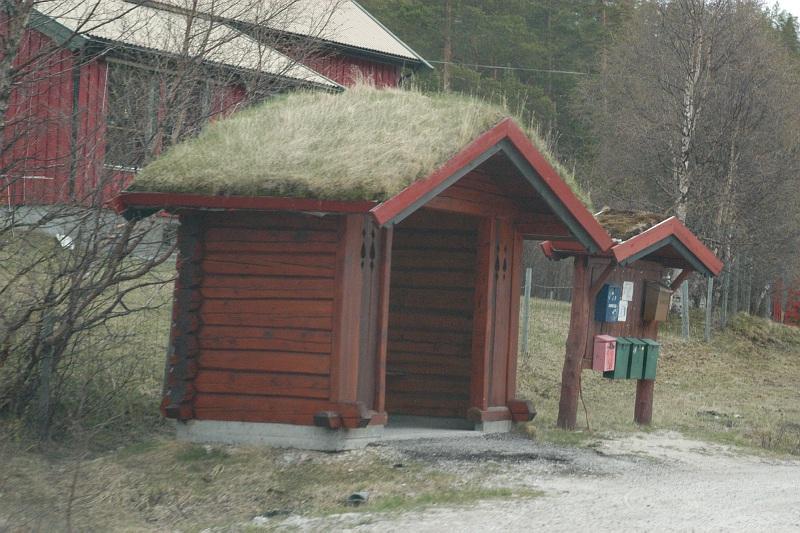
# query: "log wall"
266 317
430 315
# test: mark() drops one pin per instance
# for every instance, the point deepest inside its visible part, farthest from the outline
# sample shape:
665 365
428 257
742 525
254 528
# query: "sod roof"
623 224
363 144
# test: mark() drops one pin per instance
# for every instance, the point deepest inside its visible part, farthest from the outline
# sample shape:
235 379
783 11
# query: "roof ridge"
390 32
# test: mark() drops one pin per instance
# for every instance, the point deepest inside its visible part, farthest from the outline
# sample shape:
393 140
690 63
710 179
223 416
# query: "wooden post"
387 236
576 342
709 308
726 284
347 309
526 305
482 341
643 410
685 309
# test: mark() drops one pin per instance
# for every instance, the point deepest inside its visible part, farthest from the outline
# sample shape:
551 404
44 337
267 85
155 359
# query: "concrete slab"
277 435
322 439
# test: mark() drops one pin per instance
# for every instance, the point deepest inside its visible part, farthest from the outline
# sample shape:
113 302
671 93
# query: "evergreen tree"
529 53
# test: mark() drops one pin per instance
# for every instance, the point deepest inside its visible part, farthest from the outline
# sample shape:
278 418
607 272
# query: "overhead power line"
522 69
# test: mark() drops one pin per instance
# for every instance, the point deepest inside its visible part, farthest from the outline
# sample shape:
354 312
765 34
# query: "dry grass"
165 485
740 389
623 225
362 144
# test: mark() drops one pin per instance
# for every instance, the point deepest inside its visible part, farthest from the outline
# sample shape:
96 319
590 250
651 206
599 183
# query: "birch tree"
700 120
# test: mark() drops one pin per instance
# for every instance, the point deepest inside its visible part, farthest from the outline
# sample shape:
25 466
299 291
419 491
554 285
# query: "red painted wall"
788 313
39 162
37 135
346 70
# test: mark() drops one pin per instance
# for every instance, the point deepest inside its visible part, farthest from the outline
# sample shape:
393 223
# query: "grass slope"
742 388
362 144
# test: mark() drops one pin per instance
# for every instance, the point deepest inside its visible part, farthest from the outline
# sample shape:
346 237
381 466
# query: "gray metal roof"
143 27
342 22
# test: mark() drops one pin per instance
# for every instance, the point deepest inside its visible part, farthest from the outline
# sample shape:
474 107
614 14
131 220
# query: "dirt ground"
644 482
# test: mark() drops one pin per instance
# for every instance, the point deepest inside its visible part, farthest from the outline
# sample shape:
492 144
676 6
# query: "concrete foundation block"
277 435
498 426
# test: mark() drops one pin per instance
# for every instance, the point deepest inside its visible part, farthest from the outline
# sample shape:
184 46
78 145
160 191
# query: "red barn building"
94 100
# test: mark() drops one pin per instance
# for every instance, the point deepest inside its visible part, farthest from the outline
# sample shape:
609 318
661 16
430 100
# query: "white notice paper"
622 316
627 291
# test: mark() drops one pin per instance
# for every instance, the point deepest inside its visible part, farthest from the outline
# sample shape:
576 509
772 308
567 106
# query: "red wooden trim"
663 230
557 249
328 419
501 321
397 204
346 311
157 200
506 129
379 418
483 314
521 410
556 184
491 414
387 237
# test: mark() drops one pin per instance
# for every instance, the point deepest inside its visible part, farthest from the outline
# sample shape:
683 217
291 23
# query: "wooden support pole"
576 342
387 237
482 337
643 410
709 308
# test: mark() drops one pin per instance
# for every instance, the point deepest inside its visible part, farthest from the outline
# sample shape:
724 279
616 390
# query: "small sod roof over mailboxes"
650 236
384 151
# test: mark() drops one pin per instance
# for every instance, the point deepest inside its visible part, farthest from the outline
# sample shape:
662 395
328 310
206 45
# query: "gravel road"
647 482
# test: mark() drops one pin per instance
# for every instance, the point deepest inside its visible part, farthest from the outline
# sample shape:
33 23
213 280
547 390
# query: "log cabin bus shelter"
309 322
646 248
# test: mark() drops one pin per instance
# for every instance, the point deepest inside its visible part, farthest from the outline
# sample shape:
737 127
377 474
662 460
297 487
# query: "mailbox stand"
637 263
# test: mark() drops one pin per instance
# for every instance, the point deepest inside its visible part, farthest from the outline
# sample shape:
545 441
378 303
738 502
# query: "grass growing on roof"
623 225
362 144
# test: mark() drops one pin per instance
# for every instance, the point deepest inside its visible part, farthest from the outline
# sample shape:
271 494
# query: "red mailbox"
605 350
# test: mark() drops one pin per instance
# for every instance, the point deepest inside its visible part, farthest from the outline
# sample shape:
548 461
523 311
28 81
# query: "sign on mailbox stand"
605 353
607 304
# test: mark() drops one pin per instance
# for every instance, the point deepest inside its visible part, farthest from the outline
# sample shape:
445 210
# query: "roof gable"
339 22
508 139
672 238
669 243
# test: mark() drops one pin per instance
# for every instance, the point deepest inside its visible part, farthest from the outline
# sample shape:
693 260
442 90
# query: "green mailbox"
636 367
652 351
622 360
